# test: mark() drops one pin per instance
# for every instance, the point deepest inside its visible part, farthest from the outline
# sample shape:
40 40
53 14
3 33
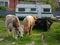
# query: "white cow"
13 24
29 22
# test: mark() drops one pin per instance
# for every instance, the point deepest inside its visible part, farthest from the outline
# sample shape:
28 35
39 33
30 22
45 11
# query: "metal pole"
14 4
36 1
14 7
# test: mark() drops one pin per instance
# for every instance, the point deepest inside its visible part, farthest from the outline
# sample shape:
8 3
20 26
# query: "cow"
29 22
13 25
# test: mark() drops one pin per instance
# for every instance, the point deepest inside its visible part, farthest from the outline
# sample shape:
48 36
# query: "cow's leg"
8 31
25 30
14 32
30 30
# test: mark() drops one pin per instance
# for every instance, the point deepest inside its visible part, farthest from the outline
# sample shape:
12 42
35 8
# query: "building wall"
10 4
13 4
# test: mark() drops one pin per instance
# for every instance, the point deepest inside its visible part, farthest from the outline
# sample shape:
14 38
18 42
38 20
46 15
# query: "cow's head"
35 17
20 32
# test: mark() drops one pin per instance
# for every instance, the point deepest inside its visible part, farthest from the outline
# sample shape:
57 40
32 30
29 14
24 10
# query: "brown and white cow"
29 22
13 24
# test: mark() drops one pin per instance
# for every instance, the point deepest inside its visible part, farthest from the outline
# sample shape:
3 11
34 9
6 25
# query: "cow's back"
29 19
12 21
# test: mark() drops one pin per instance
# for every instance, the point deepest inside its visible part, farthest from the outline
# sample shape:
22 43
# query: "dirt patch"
32 43
13 43
43 39
1 39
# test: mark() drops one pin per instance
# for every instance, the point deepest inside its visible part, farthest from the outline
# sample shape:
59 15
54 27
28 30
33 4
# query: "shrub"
51 3
2 8
57 8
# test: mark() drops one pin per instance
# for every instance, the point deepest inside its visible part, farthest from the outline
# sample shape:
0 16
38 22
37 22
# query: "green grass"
52 36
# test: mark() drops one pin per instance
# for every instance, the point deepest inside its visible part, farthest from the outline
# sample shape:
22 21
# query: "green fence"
3 13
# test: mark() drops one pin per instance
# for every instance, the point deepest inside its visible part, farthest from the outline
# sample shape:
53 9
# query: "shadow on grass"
9 38
40 30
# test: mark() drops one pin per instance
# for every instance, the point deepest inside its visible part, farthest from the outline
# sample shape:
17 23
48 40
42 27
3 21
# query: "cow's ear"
35 17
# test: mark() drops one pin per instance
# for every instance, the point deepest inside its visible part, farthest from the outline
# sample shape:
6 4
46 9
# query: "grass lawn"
51 37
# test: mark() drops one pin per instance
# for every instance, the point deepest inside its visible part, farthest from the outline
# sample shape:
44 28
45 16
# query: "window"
59 3
1 3
46 10
6 4
33 9
59 0
21 0
21 9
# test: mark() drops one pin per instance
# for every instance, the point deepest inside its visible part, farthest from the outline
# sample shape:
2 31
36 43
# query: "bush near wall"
2 8
57 8
3 13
